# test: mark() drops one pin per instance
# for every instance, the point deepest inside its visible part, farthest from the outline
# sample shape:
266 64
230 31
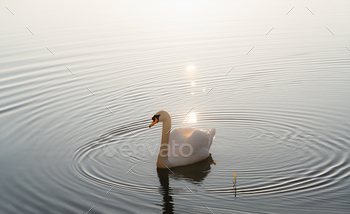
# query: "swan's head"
160 116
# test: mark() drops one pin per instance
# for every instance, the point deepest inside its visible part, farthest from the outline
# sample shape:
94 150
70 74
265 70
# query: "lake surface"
80 80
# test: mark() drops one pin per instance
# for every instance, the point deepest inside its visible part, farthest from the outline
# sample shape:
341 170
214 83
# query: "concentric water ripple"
319 161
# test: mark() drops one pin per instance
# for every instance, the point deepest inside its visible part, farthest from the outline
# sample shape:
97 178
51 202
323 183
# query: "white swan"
181 146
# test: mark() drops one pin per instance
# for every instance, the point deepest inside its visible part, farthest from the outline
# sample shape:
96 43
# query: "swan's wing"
197 144
195 137
179 135
189 145
182 130
199 139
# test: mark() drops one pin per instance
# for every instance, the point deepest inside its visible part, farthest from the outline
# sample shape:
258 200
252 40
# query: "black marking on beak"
155 119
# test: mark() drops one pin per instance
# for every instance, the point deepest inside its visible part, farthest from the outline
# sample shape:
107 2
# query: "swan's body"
181 146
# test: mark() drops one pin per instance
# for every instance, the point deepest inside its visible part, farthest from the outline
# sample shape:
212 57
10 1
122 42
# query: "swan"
181 146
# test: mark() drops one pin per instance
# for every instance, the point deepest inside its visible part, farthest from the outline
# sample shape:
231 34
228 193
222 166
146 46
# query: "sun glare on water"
191 118
191 67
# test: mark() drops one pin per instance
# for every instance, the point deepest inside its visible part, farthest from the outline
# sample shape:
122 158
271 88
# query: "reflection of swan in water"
168 205
194 173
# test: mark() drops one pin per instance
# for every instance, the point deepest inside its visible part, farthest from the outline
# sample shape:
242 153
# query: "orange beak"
154 122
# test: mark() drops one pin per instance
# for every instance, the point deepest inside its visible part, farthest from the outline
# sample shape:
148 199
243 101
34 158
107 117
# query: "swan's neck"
163 161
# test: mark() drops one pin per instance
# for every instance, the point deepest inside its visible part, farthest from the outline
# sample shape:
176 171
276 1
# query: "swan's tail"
212 133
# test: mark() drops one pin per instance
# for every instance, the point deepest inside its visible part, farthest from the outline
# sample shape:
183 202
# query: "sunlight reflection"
193 83
191 118
191 67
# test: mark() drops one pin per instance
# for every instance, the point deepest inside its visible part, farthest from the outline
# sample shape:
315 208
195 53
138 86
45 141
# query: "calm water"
79 80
